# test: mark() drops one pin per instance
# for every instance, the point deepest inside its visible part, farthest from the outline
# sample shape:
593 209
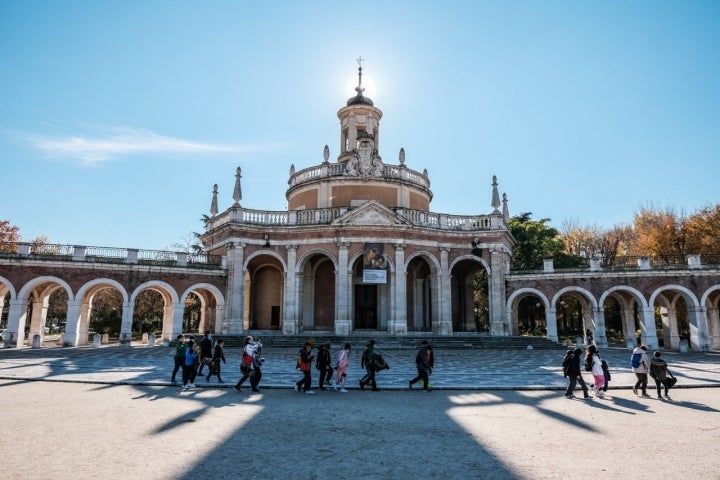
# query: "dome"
359 99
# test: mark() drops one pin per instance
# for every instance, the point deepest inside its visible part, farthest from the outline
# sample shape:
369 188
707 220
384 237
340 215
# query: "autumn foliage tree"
653 233
8 232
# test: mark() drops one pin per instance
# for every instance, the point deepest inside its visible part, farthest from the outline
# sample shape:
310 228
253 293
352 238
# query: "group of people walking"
326 366
192 358
640 364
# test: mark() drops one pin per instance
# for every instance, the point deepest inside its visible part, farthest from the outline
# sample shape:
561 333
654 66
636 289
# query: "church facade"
359 248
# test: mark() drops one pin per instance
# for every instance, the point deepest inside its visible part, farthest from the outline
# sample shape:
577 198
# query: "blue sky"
116 118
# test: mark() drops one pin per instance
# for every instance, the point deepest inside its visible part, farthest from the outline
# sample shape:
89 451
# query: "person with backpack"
304 363
606 373
661 375
594 365
251 353
640 364
423 363
572 372
367 361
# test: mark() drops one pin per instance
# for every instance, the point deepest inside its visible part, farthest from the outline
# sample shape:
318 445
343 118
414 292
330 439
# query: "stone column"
699 338
176 314
551 324
290 302
72 324
628 324
648 328
126 323
599 330
444 324
39 311
168 331
399 320
17 315
671 335
233 318
343 319
713 327
83 330
496 292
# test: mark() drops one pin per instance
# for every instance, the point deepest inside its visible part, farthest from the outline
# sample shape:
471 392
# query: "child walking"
341 360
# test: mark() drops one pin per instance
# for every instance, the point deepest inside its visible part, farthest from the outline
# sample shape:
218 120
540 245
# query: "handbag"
671 381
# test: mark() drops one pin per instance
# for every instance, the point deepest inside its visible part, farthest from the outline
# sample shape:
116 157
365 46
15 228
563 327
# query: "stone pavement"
455 369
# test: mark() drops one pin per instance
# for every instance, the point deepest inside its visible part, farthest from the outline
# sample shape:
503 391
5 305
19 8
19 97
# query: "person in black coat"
205 352
424 362
323 363
572 371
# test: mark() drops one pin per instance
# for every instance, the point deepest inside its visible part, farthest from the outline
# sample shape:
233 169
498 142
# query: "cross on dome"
359 89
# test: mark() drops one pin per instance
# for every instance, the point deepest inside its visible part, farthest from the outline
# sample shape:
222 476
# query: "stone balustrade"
132 256
328 170
325 216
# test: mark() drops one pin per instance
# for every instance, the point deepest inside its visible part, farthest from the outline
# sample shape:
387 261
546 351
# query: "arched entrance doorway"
470 300
264 284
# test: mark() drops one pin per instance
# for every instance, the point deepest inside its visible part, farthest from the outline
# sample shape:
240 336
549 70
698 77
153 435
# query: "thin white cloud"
117 142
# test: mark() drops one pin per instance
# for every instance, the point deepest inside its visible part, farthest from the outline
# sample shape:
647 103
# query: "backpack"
566 362
635 361
298 360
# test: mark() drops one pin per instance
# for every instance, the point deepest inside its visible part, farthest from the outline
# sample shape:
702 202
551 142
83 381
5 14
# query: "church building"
360 249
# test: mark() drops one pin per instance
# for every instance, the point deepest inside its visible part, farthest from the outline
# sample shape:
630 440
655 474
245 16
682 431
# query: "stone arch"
318 273
24 292
84 298
305 257
212 306
684 290
265 253
697 321
172 309
91 287
472 258
422 291
370 304
7 289
42 287
587 322
265 289
7 286
512 310
464 297
632 303
710 300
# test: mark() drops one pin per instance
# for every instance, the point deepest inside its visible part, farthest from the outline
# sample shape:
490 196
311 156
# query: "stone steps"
386 341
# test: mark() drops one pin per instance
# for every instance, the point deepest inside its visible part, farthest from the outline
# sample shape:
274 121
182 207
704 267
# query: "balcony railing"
81 253
634 263
329 170
325 216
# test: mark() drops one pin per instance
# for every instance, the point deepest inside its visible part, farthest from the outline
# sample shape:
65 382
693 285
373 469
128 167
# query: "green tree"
536 241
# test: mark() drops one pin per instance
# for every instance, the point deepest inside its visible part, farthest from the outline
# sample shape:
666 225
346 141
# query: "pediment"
370 213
